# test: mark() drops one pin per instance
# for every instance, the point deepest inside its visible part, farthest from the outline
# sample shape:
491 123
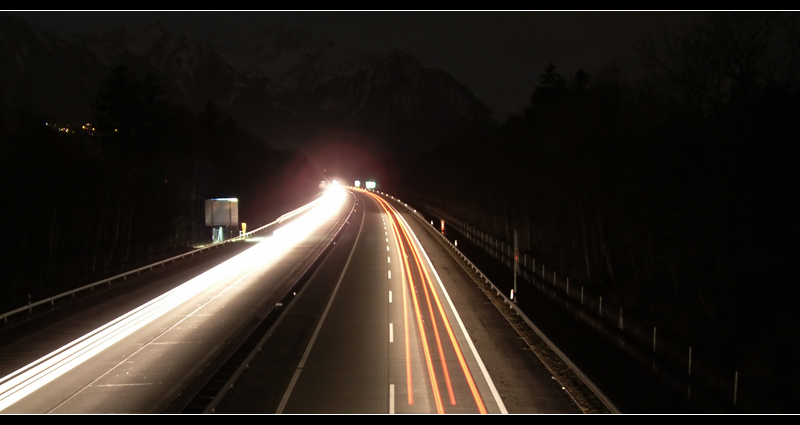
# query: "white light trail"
19 384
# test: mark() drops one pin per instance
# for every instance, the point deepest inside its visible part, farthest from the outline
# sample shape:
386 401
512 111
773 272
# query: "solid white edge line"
302 363
486 376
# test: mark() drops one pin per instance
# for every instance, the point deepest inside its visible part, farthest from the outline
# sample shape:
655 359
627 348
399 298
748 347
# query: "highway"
382 332
388 323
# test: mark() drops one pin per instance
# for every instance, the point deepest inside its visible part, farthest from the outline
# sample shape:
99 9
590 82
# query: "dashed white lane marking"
387 240
391 399
388 259
387 247
390 274
390 297
391 332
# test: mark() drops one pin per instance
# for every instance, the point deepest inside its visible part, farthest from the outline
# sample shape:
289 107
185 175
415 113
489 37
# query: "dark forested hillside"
81 203
670 188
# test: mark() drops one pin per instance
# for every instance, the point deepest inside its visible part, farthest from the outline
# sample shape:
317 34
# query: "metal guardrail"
705 382
29 307
585 379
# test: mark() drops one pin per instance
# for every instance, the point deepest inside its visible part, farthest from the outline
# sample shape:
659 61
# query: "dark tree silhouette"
581 81
550 84
129 111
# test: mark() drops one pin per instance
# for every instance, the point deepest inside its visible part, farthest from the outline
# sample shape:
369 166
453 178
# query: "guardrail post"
689 376
654 339
654 348
524 265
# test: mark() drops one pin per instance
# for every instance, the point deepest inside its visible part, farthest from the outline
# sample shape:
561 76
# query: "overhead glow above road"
260 256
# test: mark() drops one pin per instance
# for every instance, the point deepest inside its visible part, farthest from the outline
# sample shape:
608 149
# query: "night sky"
498 55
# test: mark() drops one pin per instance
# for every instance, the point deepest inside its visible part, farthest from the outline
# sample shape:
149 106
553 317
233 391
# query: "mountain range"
262 80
